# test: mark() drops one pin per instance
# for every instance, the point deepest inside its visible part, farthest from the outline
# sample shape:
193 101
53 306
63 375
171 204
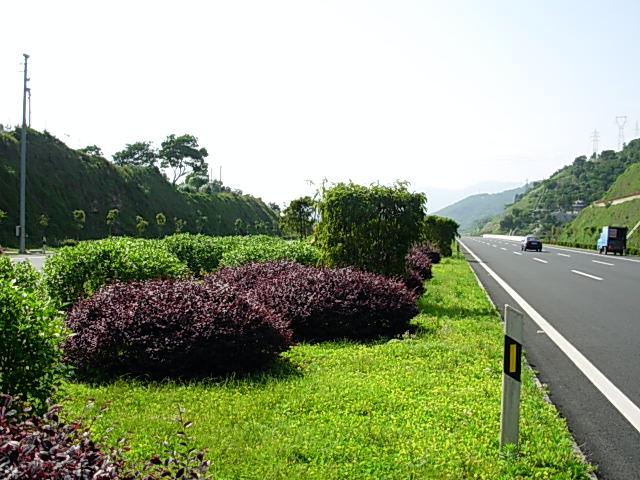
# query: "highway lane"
593 301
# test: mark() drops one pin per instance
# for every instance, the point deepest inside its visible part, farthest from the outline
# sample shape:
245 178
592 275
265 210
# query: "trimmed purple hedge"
172 328
326 303
419 261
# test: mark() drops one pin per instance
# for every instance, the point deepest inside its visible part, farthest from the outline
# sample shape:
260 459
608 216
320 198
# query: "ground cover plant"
53 446
326 303
423 406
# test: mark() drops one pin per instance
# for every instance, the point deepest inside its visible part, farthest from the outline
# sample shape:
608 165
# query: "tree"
92 150
79 218
141 224
239 227
274 206
181 153
139 153
371 227
161 221
3 214
179 223
196 180
298 217
43 223
112 217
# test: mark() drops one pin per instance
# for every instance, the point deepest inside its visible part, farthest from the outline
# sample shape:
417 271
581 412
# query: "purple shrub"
44 447
326 303
49 446
172 328
432 251
418 266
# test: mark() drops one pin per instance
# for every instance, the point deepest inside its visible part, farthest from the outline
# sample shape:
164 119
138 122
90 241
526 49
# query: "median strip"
578 272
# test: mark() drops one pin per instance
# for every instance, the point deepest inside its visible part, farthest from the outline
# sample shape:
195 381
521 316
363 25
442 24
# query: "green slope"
61 180
544 209
584 230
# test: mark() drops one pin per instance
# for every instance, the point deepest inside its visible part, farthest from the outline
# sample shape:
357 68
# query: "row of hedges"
236 319
78 271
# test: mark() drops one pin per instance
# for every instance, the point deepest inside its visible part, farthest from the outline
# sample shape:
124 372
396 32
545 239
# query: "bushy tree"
369 227
79 218
298 217
139 153
112 217
180 154
91 150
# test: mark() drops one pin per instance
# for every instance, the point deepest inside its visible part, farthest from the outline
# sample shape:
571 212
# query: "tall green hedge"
371 227
441 231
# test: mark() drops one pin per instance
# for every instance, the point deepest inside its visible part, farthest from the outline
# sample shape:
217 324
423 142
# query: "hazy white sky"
445 94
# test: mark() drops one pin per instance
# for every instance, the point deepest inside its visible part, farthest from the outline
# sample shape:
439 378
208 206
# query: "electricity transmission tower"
621 121
595 137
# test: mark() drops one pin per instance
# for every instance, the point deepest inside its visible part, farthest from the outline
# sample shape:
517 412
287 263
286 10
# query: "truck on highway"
612 239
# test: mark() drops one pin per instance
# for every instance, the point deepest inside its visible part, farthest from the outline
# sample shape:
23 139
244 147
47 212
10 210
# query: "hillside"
468 211
554 202
584 230
61 180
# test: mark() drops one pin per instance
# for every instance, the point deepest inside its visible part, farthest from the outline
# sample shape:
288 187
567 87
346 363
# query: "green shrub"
77 272
201 253
440 231
30 354
260 248
371 227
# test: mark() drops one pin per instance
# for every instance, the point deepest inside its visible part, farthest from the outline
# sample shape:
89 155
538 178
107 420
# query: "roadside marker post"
510 411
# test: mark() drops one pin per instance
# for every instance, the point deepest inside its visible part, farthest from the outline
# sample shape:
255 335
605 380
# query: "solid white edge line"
588 275
617 398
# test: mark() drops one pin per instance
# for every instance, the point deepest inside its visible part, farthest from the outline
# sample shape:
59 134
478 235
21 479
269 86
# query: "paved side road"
36 259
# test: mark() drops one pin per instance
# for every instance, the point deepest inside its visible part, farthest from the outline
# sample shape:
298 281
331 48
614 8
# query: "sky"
456 97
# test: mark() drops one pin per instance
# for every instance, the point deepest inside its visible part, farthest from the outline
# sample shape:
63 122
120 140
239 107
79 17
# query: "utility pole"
23 159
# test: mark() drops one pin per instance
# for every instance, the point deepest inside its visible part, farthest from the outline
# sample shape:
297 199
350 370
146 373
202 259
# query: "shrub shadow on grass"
280 369
431 307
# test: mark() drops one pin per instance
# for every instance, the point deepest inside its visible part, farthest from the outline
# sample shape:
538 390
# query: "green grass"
424 406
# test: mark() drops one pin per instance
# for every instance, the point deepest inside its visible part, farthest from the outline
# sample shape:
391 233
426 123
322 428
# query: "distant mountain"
468 211
441 197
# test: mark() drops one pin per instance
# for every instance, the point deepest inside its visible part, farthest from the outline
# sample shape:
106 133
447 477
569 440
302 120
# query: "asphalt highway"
581 334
